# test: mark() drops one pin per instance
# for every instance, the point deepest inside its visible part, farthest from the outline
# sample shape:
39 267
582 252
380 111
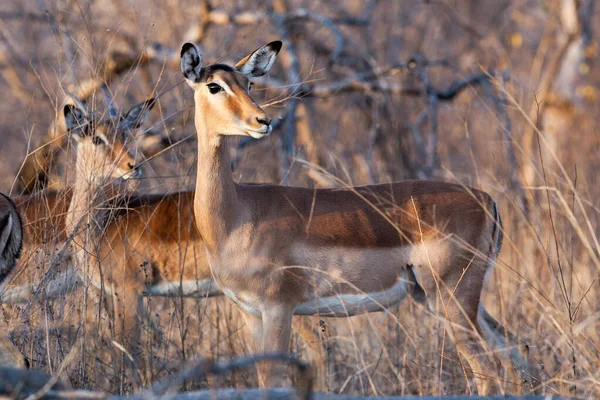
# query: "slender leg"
127 314
95 331
255 326
460 297
471 346
277 327
518 354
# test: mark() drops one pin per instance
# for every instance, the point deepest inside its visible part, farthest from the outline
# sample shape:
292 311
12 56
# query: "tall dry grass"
544 287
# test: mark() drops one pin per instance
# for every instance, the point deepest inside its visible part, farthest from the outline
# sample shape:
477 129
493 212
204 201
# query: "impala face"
101 150
222 93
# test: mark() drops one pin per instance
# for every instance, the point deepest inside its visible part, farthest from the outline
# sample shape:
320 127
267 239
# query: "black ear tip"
68 109
186 47
150 103
276 45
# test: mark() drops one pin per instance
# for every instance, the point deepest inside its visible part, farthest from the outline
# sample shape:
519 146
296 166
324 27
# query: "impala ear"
136 116
260 61
191 63
76 122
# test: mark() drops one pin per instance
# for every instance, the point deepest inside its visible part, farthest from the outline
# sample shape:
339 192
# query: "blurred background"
496 94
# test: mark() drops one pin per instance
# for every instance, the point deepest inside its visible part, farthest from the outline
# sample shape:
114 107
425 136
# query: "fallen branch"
19 384
32 384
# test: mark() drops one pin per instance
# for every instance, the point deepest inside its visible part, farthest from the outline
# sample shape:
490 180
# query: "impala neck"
84 215
216 202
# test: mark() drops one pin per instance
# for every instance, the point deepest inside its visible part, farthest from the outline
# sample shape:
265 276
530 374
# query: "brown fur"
138 217
44 216
136 233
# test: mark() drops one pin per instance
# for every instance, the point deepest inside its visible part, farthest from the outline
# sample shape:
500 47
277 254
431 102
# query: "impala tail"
497 233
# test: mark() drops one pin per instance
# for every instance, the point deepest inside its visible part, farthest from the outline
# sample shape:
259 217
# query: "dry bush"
545 285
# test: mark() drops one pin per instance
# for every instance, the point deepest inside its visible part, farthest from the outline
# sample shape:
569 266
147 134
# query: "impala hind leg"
126 313
516 351
465 330
455 296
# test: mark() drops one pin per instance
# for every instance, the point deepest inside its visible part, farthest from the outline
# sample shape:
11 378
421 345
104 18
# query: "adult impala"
277 250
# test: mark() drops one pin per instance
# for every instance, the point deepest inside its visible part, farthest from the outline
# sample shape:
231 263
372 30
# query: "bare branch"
500 103
34 173
292 65
201 368
566 37
29 381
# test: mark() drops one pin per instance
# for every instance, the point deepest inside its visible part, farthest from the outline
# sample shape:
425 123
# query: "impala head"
222 93
102 143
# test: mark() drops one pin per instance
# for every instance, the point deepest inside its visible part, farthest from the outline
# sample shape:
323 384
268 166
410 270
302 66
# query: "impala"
11 242
44 216
278 251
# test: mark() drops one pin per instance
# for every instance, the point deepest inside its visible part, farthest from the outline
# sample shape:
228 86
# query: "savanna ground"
361 87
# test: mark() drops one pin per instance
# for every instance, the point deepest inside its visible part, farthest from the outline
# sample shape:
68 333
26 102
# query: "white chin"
258 135
126 176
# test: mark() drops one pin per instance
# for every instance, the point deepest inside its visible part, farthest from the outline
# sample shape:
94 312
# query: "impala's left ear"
77 123
191 63
136 116
260 61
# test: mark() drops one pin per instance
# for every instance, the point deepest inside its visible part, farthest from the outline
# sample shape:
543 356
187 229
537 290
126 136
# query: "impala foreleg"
276 331
126 311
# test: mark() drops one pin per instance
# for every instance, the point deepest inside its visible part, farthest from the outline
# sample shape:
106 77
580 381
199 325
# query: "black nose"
265 121
130 165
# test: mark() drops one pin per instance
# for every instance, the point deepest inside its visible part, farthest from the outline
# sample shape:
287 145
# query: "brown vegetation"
501 95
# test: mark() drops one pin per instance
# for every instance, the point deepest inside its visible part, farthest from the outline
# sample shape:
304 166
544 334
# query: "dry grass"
545 286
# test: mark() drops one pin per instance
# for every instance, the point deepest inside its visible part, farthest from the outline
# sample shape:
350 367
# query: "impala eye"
214 88
97 140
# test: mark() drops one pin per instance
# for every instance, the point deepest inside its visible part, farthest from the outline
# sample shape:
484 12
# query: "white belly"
200 288
346 305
